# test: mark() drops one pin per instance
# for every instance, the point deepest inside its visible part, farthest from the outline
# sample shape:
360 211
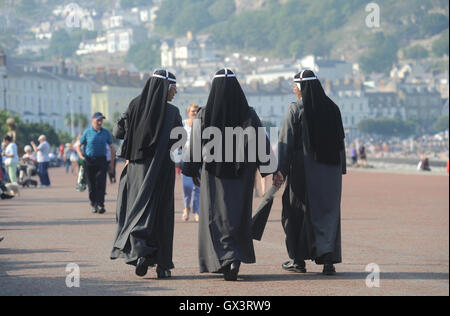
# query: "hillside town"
99 78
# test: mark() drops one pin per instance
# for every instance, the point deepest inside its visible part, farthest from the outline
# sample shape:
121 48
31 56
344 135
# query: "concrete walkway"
399 222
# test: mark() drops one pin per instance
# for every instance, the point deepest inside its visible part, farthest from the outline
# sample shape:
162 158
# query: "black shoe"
163 274
232 275
142 266
5 196
329 269
292 266
101 210
94 210
1 239
225 270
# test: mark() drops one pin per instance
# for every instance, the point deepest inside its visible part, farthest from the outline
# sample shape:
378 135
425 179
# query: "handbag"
8 162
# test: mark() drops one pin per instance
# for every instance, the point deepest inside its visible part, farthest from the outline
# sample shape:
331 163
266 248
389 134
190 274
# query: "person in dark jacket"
145 205
312 160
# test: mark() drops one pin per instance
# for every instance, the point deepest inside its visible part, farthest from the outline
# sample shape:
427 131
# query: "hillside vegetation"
410 29
326 28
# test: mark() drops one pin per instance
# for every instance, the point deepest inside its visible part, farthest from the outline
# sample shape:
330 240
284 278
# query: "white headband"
301 79
165 78
226 75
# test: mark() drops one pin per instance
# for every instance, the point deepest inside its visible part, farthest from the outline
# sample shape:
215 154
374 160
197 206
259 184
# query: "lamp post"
80 98
39 103
72 128
5 76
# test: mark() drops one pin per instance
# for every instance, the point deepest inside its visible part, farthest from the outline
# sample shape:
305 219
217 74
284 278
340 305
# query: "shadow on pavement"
345 276
67 222
6 251
56 286
44 200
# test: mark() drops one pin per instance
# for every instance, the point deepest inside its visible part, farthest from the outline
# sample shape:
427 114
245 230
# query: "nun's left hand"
196 181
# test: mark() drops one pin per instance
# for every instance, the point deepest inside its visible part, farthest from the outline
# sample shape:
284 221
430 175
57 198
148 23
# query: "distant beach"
401 166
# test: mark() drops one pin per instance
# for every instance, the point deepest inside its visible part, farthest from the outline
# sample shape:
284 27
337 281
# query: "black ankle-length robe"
311 214
225 227
145 205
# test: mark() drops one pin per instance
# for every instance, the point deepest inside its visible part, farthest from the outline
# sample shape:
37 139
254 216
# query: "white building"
120 40
44 93
33 47
354 106
327 69
271 107
270 75
187 51
94 46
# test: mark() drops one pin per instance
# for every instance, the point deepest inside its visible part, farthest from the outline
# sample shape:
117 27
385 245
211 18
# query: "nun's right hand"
278 179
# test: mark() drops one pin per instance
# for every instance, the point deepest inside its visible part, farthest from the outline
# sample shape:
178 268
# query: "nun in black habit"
145 205
311 157
226 190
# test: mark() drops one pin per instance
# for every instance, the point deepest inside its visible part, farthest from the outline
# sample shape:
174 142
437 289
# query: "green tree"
64 137
80 121
65 44
381 55
441 46
442 124
222 10
145 55
433 24
416 52
28 7
4 115
62 45
128 4
8 41
387 127
27 132
32 131
177 17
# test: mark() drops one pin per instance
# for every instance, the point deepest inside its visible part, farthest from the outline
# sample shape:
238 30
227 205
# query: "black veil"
227 107
322 122
146 117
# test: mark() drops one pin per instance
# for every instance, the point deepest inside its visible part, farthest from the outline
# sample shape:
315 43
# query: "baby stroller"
27 170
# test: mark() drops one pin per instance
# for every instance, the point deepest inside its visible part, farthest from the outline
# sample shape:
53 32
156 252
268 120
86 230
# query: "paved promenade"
399 222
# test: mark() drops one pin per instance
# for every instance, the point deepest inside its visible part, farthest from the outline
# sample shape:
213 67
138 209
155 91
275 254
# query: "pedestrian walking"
363 155
226 191
11 158
191 192
43 160
95 139
312 160
67 153
74 160
354 156
145 205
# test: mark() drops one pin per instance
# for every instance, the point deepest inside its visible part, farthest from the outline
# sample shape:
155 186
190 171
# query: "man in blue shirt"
95 139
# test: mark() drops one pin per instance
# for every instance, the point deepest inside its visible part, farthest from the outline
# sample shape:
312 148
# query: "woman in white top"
191 192
12 158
